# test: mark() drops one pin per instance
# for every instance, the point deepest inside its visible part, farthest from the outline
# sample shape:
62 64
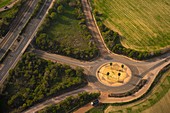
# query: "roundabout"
113 74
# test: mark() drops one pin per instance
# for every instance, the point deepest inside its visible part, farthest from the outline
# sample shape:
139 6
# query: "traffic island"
113 74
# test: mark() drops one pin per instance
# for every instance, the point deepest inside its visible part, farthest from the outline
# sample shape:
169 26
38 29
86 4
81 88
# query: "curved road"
140 69
9 6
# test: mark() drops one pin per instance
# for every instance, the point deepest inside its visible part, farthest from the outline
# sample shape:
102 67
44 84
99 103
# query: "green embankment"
5 2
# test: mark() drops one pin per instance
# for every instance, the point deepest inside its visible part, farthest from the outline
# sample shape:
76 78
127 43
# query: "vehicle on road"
95 102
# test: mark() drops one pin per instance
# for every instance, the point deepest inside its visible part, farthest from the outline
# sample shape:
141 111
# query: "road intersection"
140 69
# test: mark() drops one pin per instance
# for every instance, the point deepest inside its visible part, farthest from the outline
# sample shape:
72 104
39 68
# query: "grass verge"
157 91
6 17
5 2
71 103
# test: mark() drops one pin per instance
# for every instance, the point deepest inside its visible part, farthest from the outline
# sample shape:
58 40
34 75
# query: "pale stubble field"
143 24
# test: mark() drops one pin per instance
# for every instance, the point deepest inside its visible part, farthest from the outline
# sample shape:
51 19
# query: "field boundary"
116 45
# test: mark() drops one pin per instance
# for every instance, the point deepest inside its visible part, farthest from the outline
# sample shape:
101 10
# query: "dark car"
6 7
95 102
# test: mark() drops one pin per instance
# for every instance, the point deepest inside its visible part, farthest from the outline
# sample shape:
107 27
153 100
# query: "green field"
64 31
161 107
143 24
157 101
5 2
67 31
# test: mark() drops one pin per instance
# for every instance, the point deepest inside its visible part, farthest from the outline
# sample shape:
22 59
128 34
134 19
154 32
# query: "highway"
26 37
144 68
16 27
140 69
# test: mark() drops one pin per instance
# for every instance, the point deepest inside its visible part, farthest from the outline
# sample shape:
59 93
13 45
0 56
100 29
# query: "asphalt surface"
26 37
9 6
18 25
139 68
57 99
93 28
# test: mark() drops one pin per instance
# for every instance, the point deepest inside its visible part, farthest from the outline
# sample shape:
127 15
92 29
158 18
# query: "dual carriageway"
10 54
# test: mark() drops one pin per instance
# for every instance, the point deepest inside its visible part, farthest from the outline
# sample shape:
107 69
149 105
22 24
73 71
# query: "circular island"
113 74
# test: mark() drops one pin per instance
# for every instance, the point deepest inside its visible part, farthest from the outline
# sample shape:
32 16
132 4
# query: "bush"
112 40
34 79
71 103
131 92
45 42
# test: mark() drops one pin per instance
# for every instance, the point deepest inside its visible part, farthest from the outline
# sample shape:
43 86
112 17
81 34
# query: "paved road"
57 99
91 24
17 26
140 69
26 37
9 6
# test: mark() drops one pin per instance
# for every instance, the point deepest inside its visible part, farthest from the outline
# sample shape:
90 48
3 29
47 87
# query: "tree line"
8 16
34 79
71 103
112 40
43 41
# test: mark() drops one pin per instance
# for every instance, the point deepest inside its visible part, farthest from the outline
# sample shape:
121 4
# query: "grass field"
154 100
5 2
161 107
158 101
143 24
98 109
68 31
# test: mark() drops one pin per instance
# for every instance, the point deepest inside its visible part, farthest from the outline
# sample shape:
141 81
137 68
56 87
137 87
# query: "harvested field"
143 24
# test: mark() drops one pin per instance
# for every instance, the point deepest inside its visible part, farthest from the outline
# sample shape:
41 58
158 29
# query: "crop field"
143 24
5 2
158 100
161 107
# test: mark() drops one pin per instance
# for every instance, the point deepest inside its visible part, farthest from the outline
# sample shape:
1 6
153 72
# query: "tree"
60 9
53 15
